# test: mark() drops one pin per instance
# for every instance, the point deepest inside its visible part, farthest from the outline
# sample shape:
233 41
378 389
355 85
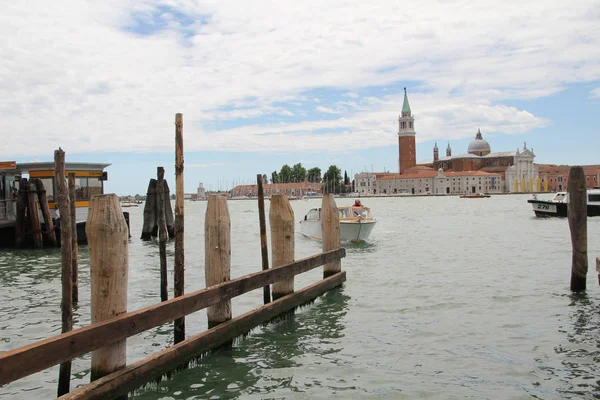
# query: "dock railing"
8 210
106 336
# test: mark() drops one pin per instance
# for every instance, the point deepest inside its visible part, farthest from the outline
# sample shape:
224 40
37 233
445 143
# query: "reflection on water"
267 360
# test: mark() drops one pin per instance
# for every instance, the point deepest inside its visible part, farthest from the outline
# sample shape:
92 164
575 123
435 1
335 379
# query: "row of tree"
332 179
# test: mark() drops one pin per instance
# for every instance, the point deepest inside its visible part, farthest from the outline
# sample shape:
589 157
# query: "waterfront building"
365 182
290 189
554 178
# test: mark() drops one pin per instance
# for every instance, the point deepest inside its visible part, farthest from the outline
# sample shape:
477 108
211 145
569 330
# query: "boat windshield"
355 212
560 197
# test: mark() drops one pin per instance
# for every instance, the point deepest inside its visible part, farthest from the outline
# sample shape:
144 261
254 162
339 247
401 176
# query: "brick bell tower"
406 137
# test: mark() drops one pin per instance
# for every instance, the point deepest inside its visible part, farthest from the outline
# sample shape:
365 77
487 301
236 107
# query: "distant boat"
558 206
356 223
475 196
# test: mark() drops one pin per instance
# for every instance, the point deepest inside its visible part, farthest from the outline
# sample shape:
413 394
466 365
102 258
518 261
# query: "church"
477 170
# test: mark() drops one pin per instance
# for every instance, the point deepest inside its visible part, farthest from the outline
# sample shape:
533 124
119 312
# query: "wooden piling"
149 225
281 220
179 267
577 214
263 235
74 245
34 217
21 227
169 211
48 232
330 228
62 195
217 252
598 268
107 235
162 233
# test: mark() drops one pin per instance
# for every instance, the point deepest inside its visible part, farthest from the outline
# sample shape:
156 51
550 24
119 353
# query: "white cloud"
595 93
74 76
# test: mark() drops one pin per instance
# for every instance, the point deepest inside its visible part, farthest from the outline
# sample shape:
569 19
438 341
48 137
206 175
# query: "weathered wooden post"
217 252
62 195
577 214
263 235
330 228
49 225
34 217
179 267
107 235
162 233
148 228
74 246
281 220
22 200
598 268
169 210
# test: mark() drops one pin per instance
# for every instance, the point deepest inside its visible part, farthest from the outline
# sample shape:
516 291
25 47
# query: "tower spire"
405 105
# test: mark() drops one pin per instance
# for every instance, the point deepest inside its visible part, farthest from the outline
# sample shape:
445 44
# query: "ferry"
356 223
475 196
558 205
89 181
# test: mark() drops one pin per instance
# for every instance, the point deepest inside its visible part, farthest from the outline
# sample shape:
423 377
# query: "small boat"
558 205
475 196
356 223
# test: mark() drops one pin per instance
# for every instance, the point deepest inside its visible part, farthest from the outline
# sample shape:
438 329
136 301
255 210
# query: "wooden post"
179 267
22 200
162 233
148 228
217 254
75 246
263 236
598 268
330 228
169 211
34 217
281 220
62 194
577 214
48 223
107 235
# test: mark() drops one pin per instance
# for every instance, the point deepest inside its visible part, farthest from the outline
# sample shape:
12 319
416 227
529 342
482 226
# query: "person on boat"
357 203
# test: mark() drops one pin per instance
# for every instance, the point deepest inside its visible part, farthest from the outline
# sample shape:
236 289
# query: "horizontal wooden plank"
131 377
26 360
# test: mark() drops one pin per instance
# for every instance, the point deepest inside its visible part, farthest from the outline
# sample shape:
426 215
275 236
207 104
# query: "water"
451 298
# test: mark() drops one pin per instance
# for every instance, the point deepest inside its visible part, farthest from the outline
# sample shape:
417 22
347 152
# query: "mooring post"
281 220
169 210
217 254
107 236
48 224
22 200
263 235
162 233
34 217
62 194
598 268
74 245
148 229
330 228
179 267
577 214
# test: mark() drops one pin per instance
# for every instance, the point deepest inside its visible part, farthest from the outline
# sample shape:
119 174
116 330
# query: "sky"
266 83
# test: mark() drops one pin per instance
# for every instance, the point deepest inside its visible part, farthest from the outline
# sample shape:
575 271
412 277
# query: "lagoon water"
451 298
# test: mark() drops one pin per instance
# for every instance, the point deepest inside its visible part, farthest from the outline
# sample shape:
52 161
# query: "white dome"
479 146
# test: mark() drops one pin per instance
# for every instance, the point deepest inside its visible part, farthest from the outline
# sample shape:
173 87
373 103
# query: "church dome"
478 146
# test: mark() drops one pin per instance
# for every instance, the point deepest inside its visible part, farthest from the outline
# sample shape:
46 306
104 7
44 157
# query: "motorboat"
558 205
356 223
475 196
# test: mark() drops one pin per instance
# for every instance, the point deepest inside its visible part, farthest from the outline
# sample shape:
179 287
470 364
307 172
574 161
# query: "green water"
451 298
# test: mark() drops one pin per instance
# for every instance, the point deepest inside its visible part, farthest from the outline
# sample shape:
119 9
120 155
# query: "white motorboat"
356 223
557 207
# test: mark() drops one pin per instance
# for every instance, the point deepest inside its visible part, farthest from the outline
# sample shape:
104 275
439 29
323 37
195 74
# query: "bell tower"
436 153
406 137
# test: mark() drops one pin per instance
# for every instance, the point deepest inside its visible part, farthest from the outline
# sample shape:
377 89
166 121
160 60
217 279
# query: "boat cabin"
89 181
593 197
347 213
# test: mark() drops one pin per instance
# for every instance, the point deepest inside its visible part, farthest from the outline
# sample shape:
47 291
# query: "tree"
265 179
298 173
274 177
332 179
346 179
286 174
314 175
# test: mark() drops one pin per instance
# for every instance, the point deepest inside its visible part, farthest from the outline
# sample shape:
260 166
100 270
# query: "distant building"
290 189
200 192
554 177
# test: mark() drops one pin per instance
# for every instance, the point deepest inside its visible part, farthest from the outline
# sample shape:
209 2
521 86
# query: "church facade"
477 170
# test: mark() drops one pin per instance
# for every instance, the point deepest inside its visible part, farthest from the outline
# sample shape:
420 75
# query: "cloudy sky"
262 83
